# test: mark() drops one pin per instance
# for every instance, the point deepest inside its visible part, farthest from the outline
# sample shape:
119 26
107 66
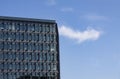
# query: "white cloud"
67 9
95 17
80 36
51 2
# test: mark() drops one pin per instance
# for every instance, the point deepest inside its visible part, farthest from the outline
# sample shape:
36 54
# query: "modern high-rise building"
29 48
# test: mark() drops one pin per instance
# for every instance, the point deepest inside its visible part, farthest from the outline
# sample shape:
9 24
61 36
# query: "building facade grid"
28 50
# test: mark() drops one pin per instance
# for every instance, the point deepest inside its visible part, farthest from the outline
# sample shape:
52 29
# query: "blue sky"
89 33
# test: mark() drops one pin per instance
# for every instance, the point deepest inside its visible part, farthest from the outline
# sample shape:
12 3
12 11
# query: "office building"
29 48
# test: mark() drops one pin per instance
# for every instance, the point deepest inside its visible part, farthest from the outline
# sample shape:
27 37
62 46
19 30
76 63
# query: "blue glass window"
1 66
5 46
1 45
6 26
28 29
10 45
53 47
13 46
13 55
33 66
17 36
41 66
13 27
1 75
25 36
22 27
36 37
10 55
5 55
44 66
40 47
5 66
31 28
44 37
33 37
17 27
25 46
26 66
25 27
40 55
44 57
54 67
13 76
30 56
5 75
29 36
40 28
1 56
21 56
33 56
32 46
1 36
37 56
17 56
37 66
54 37
17 66
43 27
21 66
52 57
29 46
47 28
2 26
5 36
36 47
55 57
26 56
13 65
17 45
10 65
47 37
21 46
17 75
29 66
40 37
21 36
53 28
48 66
45 47
48 56
36 28
10 36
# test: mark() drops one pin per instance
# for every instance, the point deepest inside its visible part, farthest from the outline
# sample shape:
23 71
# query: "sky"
89 33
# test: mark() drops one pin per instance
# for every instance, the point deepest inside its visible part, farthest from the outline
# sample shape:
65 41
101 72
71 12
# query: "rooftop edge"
26 19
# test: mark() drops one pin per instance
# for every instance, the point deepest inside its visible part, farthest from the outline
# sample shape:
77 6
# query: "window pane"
2 26
17 36
36 28
17 27
13 26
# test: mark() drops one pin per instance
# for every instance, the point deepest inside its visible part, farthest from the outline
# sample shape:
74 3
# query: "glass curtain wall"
28 50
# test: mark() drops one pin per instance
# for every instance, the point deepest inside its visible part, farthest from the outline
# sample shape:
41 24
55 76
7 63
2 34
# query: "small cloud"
95 17
80 36
68 9
51 2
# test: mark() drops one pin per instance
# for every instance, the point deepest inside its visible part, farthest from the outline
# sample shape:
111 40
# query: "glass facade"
29 49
